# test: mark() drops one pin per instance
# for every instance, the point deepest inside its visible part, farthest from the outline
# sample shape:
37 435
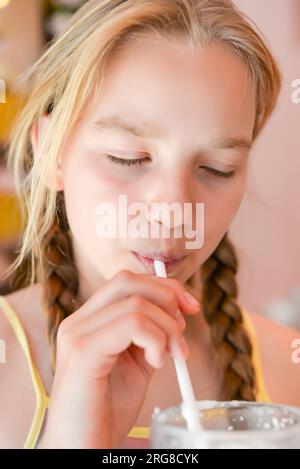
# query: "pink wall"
266 231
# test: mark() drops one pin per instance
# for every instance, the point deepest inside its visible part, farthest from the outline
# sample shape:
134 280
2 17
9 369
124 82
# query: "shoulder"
26 303
278 347
17 398
26 299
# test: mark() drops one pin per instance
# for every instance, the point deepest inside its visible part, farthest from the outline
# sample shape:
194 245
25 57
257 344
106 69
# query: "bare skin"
198 108
17 409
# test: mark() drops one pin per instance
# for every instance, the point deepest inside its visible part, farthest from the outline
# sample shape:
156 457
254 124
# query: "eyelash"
140 161
124 162
219 174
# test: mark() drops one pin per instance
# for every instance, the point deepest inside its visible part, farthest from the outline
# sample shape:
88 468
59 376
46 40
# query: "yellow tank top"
42 400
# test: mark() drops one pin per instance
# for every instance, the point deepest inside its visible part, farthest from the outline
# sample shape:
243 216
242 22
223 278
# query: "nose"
170 202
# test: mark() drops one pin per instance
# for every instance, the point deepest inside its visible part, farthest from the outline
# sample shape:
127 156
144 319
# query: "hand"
107 351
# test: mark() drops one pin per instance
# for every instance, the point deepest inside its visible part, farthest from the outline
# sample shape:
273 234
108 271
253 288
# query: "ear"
38 131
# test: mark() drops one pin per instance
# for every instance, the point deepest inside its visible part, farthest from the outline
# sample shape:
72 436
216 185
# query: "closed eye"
127 162
141 161
217 173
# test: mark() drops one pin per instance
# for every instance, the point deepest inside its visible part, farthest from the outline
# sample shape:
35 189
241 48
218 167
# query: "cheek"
221 208
86 186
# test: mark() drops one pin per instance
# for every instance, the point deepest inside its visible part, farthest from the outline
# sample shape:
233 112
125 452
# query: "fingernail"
191 299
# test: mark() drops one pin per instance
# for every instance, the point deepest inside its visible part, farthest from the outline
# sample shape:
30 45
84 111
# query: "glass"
228 425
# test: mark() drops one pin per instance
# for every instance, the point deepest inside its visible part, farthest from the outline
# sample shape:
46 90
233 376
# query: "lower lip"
149 263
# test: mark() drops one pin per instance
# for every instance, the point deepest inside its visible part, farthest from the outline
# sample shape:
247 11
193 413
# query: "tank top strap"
42 399
261 393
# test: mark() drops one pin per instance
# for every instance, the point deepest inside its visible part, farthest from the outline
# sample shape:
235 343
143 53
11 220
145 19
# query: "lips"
147 259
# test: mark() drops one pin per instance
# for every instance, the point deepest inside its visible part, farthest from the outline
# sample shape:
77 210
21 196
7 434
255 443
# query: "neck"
89 277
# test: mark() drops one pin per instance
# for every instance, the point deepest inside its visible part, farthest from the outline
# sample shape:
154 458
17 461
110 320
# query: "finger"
100 349
188 302
124 308
169 294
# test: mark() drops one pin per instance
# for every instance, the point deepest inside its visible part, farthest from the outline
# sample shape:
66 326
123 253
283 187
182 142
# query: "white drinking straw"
189 404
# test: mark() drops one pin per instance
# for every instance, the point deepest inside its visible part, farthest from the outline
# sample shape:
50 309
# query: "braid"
224 317
58 274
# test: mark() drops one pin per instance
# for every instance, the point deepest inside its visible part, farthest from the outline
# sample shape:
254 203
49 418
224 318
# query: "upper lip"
161 256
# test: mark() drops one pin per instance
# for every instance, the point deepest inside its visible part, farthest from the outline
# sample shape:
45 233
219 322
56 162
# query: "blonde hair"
64 82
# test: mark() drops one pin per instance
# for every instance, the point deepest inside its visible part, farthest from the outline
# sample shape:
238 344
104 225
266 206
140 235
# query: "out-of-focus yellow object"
10 213
4 3
10 217
8 113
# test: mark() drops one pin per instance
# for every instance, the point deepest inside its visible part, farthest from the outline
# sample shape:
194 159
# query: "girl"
161 101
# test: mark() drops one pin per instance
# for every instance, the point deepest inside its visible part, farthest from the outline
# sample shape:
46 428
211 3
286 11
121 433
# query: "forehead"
176 87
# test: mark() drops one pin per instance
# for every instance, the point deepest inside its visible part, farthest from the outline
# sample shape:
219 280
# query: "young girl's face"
194 110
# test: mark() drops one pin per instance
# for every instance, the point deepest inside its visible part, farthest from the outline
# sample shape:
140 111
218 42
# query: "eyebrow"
238 143
117 124
147 130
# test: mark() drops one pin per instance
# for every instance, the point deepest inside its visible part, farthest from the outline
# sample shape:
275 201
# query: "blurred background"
266 231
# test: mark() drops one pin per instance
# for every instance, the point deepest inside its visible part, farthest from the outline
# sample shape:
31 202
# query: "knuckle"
66 341
137 320
137 302
171 299
124 275
75 346
78 344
